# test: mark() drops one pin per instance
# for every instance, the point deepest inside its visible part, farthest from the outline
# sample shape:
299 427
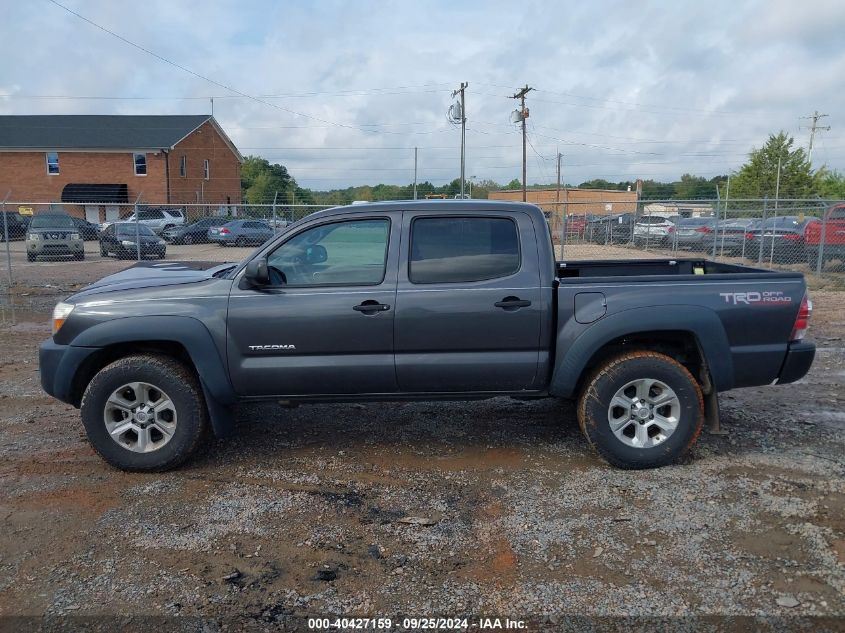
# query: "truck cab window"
455 249
352 253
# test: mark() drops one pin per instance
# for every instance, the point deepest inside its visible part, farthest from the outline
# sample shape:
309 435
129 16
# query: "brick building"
578 201
91 164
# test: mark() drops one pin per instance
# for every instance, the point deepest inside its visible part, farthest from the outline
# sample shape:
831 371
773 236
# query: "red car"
827 239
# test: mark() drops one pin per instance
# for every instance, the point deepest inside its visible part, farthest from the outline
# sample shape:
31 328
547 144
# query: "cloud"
623 90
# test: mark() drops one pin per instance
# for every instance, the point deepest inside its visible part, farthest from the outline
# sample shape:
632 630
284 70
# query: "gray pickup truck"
421 300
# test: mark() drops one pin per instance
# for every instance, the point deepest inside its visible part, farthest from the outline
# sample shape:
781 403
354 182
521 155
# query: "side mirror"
257 273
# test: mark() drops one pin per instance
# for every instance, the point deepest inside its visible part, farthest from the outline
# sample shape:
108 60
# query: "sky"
341 92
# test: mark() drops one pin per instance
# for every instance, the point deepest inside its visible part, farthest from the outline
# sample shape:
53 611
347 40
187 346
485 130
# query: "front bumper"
55 247
58 366
799 358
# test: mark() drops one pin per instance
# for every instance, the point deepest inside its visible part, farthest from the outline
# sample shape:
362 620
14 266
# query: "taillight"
792 237
671 229
704 229
749 236
802 321
224 231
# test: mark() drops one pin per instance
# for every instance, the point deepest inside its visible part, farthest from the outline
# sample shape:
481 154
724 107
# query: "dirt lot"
526 520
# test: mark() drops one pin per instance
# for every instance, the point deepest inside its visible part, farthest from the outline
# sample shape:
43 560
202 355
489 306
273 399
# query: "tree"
260 181
830 184
759 176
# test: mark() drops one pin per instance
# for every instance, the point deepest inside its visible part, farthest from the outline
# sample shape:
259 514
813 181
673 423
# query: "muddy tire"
145 413
641 410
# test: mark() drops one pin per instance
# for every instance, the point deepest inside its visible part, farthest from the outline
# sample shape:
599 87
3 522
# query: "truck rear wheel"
641 410
145 413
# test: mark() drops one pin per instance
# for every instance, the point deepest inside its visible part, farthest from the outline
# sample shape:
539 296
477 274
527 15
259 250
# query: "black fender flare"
190 333
702 323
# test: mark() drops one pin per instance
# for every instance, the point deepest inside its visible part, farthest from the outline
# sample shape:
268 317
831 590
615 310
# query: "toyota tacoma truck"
457 299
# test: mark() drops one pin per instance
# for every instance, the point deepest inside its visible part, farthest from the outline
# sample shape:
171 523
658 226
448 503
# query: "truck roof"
433 206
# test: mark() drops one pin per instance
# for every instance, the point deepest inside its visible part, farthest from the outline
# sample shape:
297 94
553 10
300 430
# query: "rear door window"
461 249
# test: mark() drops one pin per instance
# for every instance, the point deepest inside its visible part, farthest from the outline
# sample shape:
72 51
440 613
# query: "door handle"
512 303
371 306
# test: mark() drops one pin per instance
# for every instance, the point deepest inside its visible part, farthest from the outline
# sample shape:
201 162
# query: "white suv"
653 229
157 218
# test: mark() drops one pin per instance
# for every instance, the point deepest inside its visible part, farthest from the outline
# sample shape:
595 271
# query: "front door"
469 304
92 213
325 324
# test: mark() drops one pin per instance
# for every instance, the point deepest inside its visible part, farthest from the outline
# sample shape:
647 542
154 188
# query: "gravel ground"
302 513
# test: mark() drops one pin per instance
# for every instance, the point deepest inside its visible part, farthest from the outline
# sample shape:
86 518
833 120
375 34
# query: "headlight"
127 243
74 236
33 236
60 314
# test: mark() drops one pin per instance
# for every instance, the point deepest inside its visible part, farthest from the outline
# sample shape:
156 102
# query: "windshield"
46 221
130 230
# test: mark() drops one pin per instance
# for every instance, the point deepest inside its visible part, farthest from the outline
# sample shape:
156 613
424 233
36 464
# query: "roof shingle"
96 131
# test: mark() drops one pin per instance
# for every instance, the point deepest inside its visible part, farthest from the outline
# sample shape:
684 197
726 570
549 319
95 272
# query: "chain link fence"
802 235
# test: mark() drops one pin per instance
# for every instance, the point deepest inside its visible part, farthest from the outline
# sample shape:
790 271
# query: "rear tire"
240 242
30 257
641 410
188 239
145 446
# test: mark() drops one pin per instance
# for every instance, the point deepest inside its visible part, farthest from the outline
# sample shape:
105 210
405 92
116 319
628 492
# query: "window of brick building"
140 164
183 166
205 169
52 162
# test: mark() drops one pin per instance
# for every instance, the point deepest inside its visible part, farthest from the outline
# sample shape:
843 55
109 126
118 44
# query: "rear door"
468 306
325 325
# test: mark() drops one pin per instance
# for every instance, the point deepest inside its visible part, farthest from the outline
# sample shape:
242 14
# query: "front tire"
145 413
641 410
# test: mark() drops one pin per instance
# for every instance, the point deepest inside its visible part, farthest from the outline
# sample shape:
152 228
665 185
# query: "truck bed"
663 267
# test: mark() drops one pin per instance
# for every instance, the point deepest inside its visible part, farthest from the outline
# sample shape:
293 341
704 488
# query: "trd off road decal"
769 297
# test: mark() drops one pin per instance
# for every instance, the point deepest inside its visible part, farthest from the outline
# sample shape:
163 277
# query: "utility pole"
814 127
415 173
463 120
523 114
777 185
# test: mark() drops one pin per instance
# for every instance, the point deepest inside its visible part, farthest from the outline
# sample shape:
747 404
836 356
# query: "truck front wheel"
145 413
641 410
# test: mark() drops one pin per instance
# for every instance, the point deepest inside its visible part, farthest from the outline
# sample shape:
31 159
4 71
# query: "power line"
196 74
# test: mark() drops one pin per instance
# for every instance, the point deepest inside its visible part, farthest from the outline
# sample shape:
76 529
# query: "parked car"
121 239
420 301
695 234
732 236
241 233
53 235
653 230
88 230
16 224
576 223
159 219
194 233
831 234
611 229
781 239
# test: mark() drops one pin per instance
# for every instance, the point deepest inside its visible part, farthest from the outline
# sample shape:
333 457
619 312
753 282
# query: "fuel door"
590 306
